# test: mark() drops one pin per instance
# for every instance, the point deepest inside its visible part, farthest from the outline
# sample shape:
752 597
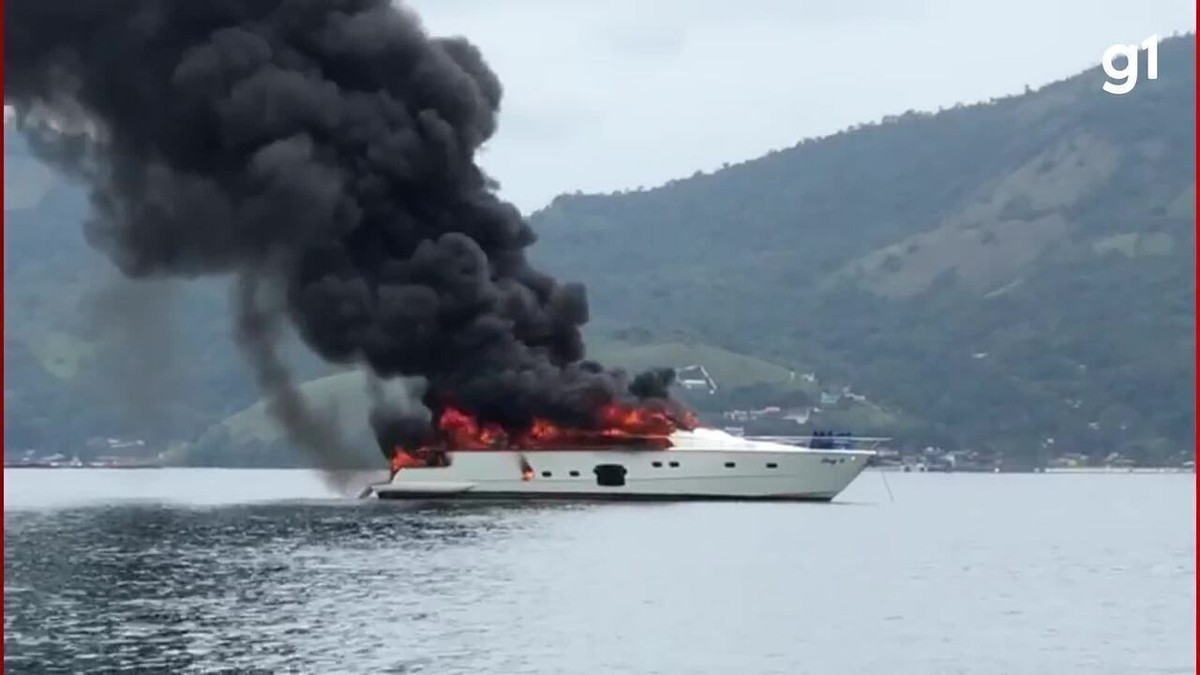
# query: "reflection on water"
965 574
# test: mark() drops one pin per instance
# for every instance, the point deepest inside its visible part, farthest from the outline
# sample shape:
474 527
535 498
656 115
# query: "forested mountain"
1003 273
87 355
992 275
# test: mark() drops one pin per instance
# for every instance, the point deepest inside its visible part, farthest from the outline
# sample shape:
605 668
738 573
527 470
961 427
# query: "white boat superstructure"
702 464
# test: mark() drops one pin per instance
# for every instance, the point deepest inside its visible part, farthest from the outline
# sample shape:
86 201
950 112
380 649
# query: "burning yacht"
625 460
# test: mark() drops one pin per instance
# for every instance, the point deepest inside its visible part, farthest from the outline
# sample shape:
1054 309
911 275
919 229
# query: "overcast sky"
607 95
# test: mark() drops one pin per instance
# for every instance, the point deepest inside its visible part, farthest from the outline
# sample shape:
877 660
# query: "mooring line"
883 475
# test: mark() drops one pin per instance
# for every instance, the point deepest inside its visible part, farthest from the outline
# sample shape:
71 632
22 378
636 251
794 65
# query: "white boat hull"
780 473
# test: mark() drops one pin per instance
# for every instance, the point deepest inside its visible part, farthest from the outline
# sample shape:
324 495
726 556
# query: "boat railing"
839 442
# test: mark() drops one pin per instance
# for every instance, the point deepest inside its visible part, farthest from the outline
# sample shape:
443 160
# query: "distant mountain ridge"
1016 274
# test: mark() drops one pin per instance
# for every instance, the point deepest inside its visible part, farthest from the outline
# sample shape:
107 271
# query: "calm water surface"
181 571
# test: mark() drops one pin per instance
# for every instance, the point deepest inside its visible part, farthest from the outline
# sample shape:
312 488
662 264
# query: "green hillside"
729 369
251 438
71 370
1008 273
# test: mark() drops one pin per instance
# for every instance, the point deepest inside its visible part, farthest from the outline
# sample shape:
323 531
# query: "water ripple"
332 586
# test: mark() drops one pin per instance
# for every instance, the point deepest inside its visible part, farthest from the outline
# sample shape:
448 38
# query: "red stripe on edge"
1195 378
3 277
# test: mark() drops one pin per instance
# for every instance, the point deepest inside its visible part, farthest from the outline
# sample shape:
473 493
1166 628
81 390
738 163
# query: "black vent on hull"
610 475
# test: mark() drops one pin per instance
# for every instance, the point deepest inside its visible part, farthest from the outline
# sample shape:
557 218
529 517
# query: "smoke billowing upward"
329 145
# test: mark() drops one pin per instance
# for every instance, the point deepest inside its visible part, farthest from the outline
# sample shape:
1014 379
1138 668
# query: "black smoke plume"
331 146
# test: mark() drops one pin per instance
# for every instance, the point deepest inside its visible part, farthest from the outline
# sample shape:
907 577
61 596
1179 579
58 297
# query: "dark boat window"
575 474
546 474
729 465
772 465
656 464
674 464
610 475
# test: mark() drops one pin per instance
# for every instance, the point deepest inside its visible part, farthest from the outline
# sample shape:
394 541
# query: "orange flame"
402 459
648 427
